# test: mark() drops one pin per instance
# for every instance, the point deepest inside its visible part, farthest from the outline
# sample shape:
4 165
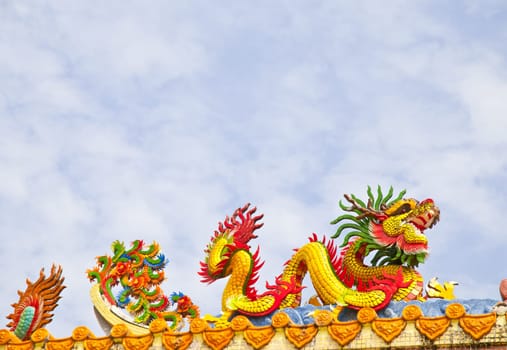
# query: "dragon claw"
435 289
221 321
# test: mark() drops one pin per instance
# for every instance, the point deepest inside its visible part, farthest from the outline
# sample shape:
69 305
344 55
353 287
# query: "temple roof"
413 325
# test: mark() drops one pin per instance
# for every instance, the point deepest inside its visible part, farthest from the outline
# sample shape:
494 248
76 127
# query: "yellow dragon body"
389 232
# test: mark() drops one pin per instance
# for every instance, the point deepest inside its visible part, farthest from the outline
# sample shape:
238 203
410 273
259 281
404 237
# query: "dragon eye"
405 208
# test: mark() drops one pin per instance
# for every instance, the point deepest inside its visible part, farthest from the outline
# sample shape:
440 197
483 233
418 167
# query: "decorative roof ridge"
411 329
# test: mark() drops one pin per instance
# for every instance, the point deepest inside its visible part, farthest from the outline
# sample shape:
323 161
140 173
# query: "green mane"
357 231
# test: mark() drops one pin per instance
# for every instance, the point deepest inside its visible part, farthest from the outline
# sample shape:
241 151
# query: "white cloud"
122 122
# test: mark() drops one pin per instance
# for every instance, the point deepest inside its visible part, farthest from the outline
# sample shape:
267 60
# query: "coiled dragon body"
389 232
228 254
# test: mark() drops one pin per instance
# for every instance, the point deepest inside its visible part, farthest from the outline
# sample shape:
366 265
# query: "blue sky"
127 120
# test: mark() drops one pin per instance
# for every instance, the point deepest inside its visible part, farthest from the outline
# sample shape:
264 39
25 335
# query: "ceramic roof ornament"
127 289
369 292
36 303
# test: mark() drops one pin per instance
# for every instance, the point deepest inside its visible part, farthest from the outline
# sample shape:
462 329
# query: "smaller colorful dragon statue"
35 305
390 232
135 274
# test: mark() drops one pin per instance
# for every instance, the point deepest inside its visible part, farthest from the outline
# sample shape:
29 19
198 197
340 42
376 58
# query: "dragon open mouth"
425 216
415 243
427 219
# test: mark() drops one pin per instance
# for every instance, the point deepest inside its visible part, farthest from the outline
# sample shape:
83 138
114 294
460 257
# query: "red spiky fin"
244 224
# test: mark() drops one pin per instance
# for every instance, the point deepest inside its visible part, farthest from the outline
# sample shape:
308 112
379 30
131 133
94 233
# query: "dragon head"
404 225
391 229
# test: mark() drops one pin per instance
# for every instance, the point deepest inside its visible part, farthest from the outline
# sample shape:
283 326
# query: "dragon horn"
365 212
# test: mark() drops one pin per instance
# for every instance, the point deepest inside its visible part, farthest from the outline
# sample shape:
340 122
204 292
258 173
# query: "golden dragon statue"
386 230
127 289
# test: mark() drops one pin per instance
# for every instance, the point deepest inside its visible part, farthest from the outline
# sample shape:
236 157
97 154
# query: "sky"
126 120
